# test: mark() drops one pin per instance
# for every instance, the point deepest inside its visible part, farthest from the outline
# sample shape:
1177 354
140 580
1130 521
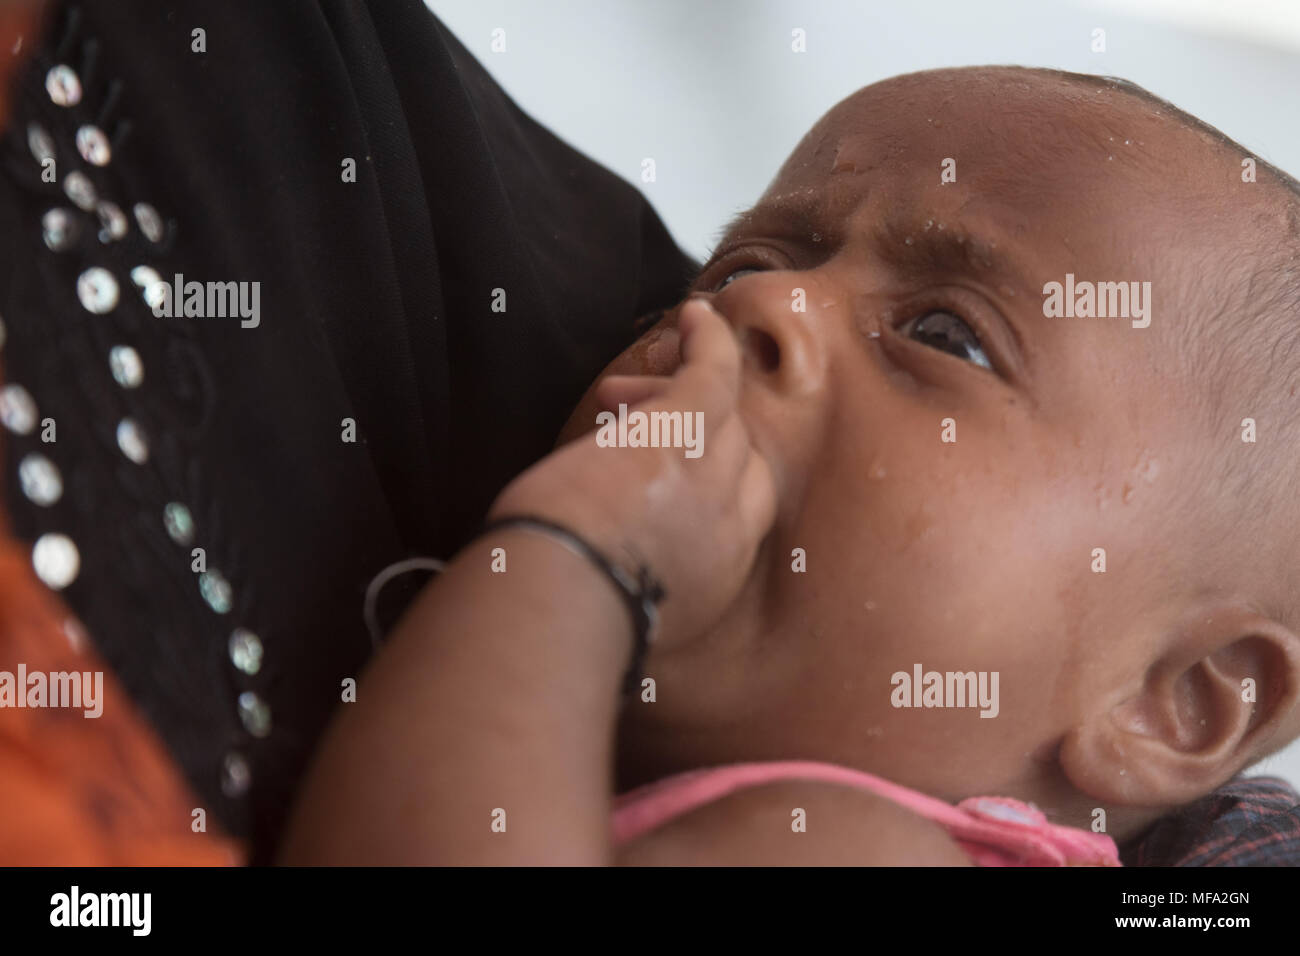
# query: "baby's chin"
655 353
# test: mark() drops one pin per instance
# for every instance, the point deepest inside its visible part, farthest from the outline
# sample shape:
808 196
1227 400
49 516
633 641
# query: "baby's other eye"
732 276
948 333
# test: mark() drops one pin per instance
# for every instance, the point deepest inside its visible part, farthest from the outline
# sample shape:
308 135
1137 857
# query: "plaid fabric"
1250 821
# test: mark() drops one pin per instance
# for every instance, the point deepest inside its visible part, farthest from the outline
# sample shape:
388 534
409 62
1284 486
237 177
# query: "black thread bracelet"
641 594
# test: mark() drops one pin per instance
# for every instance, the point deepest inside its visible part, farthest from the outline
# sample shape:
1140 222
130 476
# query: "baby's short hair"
1244 355
1242 349
1258 313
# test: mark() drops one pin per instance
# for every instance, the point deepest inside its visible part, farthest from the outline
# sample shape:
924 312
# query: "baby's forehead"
1082 172
1002 127
1003 109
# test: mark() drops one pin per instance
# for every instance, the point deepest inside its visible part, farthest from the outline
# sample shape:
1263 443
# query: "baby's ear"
1222 696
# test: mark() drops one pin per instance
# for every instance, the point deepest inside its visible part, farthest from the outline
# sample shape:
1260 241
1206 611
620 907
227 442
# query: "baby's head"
974 483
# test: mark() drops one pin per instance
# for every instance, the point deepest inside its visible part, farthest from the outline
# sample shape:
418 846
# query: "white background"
711 90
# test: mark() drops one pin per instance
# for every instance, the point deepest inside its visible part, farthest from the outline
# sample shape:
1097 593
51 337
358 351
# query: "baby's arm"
495 700
496 693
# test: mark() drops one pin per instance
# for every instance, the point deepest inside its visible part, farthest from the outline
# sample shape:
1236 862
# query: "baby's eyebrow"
790 216
934 247
911 245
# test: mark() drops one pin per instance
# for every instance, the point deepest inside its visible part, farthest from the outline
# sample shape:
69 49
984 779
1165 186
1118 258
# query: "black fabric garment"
376 306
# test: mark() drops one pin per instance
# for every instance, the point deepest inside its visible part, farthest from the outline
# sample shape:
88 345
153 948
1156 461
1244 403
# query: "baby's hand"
696 521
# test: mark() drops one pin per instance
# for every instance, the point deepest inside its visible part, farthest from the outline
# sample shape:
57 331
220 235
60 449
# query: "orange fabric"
79 791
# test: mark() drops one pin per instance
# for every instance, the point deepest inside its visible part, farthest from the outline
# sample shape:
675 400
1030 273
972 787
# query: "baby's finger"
615 390
710 374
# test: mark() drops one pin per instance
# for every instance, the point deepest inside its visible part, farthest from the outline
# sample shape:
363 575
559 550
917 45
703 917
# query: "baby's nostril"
761 348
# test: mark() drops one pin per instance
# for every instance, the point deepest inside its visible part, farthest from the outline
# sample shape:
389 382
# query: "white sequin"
245 651
156 298
59 229
97 290
40 142
17 409
112 221
144 276
235 775
128 370
80 190
40 478
56 560
152 287
255 714
93 145
179 522
149 221
126 366
216 590
63 85
131 440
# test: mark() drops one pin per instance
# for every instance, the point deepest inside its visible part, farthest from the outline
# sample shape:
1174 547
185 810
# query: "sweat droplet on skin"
1148 470
1103 495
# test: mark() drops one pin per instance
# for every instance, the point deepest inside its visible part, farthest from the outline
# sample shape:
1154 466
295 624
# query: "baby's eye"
732 277
948 333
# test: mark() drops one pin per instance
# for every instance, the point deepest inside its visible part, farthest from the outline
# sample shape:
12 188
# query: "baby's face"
884 311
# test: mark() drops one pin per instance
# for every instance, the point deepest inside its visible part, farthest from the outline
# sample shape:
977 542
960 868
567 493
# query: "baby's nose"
779 328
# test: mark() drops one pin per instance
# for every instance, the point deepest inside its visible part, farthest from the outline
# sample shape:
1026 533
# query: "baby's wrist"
637 588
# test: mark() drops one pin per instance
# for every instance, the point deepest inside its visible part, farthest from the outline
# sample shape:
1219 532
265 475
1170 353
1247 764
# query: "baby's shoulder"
797 823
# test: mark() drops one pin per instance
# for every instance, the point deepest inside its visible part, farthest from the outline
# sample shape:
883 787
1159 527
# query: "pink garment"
994 831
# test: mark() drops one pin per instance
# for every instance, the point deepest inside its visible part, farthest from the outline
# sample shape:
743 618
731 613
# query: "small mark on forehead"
851 156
